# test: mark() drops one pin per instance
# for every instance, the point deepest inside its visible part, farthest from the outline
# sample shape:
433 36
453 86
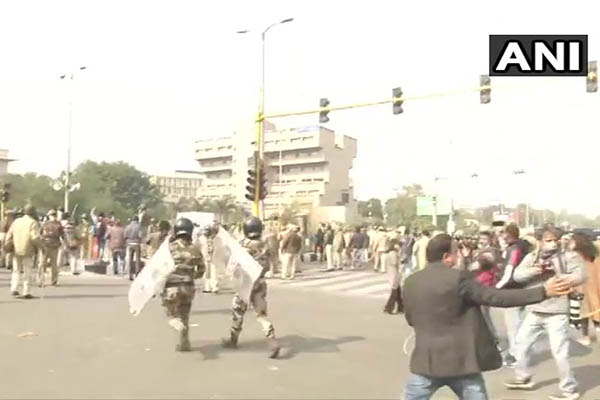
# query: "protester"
133 248
453 342
392 263
513 317
550 316
590 290
116 243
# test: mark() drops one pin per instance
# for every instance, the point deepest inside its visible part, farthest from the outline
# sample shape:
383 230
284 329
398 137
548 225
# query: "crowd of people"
445 286
34 245
448 311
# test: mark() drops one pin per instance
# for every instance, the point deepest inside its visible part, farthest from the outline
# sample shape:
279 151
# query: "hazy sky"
162 74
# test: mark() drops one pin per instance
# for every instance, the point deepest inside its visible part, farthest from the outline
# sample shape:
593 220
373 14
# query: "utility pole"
66 182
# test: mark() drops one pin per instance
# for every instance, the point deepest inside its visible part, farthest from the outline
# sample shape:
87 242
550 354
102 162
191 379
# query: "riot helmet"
253 228
184 227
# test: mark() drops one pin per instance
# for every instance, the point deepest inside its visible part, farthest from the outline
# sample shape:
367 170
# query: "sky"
162 74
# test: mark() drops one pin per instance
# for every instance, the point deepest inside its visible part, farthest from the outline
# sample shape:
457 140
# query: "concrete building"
4 160
308 166
179 184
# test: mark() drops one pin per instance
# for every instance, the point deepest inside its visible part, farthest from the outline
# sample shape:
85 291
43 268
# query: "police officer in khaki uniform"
179 290
205 240
52 238
257 248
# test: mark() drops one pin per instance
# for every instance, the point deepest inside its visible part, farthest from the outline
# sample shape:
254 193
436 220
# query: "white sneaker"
176 324
585 341
565 396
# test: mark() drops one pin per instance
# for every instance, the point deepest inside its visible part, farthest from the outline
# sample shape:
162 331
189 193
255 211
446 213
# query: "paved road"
86 345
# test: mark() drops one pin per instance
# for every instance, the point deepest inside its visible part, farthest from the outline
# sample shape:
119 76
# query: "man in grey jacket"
550 316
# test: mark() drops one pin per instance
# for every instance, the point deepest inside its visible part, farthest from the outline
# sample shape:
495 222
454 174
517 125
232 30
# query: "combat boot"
231 342
184 341
274 348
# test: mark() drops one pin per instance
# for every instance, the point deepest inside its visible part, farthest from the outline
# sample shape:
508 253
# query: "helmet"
52 213
184 227
253 228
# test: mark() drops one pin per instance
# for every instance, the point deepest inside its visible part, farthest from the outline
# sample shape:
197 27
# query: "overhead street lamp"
261 105
66 186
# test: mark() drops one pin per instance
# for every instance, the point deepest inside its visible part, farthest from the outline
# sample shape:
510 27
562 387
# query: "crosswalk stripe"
356 283
343 283
319 282
372 289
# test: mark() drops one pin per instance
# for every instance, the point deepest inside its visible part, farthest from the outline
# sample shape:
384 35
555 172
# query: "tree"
403 208
371 209
113 187
32 188
225 208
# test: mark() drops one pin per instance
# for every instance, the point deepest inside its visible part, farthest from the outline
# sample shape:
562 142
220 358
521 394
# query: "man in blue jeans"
453 342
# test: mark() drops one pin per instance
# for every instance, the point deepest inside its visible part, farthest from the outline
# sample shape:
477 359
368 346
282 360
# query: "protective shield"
152 279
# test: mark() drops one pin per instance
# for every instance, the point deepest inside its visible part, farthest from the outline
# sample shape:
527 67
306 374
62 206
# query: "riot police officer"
179 290
257 248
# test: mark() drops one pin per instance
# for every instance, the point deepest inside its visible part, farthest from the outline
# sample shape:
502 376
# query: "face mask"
549 248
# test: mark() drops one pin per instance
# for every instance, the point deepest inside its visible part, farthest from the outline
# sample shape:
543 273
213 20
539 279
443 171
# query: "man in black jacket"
453 342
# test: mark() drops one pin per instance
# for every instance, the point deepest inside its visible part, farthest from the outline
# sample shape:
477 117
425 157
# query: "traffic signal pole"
256 209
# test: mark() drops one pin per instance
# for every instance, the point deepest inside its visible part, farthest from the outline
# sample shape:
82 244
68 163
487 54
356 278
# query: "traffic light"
5 193
485 94
323 118
397 104
256 183
592 77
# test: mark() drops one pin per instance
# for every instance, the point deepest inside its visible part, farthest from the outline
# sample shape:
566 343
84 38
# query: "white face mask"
550 246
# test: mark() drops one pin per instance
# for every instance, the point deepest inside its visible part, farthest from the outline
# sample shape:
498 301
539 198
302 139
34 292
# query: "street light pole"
259 206
68 172
68 156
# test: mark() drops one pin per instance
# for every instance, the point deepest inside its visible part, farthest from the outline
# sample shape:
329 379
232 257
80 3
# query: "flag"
238 264
152 279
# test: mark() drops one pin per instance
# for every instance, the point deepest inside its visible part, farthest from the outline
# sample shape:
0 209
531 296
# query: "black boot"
231 342
399 303
274 347
184 341
389 306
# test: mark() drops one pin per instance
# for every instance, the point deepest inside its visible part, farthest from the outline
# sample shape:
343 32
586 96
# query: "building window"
345 198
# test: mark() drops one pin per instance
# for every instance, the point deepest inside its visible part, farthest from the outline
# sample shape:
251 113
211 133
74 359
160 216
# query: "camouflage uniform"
179 290
258 298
